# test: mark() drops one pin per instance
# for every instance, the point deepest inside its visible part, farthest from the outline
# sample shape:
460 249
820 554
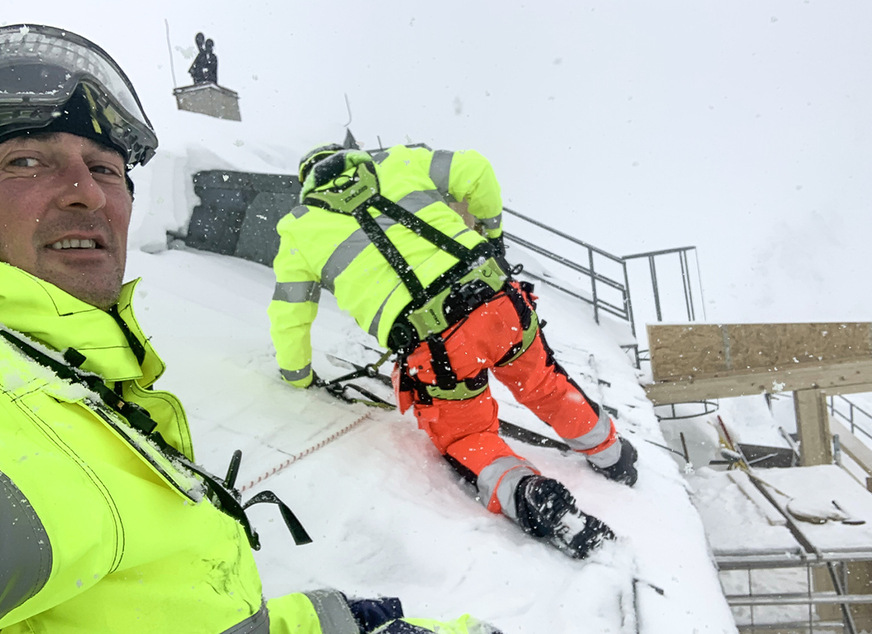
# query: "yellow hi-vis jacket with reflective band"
324 249
92 538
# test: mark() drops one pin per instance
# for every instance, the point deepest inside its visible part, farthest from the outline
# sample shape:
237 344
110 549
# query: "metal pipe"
628 307
656 253
562 260
790 626
688 291
593 291
797 598
572 239
653 268
841 590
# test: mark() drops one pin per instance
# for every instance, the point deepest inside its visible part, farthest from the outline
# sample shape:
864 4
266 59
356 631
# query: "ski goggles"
41 67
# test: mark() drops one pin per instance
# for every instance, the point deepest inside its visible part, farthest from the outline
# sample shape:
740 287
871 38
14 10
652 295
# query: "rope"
292 459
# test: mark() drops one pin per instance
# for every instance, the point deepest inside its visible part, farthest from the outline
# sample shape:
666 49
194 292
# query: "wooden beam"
683 351
812 423
854 389
836 378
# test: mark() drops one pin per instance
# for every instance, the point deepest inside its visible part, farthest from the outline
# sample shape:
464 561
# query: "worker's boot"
624 470
546 510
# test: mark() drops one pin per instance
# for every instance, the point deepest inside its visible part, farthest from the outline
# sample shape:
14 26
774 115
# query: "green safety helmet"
316 155
53 80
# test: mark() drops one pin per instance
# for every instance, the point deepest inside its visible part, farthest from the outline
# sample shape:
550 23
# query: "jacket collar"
44 312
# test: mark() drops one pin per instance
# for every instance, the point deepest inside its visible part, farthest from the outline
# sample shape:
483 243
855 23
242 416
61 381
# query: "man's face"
64 213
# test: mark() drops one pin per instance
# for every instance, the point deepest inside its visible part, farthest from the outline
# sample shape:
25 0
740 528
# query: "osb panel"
780 345
680 352
703 350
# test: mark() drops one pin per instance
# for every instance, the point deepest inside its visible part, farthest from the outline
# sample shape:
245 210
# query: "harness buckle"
457 300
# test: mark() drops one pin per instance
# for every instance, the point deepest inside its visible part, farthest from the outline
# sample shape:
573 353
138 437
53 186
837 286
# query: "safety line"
319 445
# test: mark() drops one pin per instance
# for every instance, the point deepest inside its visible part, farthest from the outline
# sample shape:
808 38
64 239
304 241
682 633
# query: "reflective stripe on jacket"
324 249
92 537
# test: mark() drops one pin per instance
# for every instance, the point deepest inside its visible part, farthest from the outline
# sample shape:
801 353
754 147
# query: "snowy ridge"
387 514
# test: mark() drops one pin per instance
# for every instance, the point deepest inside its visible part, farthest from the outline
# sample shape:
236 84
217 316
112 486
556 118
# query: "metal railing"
602 280
597 277
765 609
686 283
853 414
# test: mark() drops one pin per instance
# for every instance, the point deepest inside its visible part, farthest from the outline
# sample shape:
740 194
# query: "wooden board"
689 351
822 484
838 378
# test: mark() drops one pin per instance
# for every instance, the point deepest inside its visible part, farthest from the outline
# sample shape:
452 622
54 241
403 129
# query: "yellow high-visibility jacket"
93 537
323 249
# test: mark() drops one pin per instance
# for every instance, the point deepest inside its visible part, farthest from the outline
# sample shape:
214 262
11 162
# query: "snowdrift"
388 515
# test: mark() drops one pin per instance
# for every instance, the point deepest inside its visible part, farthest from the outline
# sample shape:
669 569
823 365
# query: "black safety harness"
479 275
222 493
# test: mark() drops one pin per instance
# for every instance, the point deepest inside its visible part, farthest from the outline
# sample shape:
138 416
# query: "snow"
387 514
741 128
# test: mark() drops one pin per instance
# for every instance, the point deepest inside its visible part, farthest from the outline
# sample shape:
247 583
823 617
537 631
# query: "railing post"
653 268
628 306
688 290
593 284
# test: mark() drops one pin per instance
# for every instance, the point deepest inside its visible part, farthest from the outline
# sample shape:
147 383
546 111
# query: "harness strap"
465 389
427 231
226 498
354 195
446 379
448 387
390 252
134 343
528 318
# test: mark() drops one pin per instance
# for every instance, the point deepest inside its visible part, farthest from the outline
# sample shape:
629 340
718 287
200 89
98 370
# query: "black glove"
624 470
317 381
498 245
373 613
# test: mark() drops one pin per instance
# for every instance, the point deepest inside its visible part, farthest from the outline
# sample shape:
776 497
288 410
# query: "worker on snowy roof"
378 232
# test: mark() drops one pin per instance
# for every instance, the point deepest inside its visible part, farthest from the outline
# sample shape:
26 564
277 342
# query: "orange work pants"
466 431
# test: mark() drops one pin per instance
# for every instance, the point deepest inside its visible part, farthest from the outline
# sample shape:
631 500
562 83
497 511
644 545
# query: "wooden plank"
815 487
855 389
777 345
685 351
853 446
772 514
853 376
